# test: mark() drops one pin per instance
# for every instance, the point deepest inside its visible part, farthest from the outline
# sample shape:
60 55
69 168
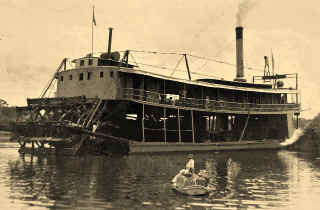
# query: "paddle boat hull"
193 190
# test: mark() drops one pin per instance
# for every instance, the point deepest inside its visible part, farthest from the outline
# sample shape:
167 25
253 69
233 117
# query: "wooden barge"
108 104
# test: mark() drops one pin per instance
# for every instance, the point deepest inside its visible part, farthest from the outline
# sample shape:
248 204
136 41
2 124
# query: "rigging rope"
199 57
175 68
224 62
154 52
171 69
52 87
217 53
134 60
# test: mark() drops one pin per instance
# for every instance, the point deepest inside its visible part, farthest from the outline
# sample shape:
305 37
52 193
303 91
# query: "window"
101 74
70 77
81 76
90 61
89 75
111 73
61 78
81 62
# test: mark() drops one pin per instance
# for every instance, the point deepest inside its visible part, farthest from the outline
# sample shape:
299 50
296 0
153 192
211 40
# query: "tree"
3 103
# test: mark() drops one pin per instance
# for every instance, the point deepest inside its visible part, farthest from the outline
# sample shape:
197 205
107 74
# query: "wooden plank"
244 128
143 137
205 84
164 113
187 147
42 139
187 65
226 110
179 126
103 136
77 147
93 113
192 124
165 124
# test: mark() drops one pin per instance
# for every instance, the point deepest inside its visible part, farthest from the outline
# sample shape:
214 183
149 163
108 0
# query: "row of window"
90 62
89 76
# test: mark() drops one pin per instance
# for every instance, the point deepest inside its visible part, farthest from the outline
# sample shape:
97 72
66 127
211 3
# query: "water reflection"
240 180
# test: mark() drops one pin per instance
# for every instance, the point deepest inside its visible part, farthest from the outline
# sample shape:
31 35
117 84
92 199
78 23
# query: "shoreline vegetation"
309 141
7 115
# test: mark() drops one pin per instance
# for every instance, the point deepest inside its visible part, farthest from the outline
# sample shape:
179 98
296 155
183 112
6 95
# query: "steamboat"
107 104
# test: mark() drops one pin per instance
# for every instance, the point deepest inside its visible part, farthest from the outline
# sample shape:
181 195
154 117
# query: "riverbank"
309 141
7 115
5 136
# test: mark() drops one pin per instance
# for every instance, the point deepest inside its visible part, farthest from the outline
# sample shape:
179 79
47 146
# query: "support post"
259 98
192 124
143 137
297 95
202 97
244 128
296 81
233 95
218 95
164 112
32 143
144 90
65 64
165 124
179 126
187 64
209 121
164 89
247 97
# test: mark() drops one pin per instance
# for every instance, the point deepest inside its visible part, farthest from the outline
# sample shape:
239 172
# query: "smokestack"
110 41
239 54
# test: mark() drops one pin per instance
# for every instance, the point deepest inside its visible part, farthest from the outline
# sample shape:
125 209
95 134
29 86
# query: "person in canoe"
190 164
188 182
186 175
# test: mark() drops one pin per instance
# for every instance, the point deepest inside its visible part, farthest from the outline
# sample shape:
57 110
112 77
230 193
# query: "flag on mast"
93 18
272 62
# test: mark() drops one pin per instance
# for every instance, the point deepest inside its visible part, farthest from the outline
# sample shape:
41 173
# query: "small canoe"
191 190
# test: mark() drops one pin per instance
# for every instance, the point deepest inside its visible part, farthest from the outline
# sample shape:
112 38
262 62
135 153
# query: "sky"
36 35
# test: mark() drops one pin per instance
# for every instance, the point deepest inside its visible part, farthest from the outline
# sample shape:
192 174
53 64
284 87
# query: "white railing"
176 100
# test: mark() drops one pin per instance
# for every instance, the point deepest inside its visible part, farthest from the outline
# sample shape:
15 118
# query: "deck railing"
205 104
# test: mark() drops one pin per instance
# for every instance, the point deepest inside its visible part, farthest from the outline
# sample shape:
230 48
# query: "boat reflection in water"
259 179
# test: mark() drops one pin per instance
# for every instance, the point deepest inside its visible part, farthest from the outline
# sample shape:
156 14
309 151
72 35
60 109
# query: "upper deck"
114 80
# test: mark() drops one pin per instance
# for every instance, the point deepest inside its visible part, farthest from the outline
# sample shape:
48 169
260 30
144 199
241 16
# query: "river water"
242 180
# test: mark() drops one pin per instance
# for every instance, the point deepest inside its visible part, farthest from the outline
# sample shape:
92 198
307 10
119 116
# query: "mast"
92 23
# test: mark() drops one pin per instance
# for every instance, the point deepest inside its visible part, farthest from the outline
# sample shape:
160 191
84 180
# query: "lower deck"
152 128
207 146
158 147
148 123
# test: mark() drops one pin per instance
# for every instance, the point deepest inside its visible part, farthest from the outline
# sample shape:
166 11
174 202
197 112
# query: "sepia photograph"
168 104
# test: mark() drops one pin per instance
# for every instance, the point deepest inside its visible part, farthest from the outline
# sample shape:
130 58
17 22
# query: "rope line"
224 62
171 69
175 68
155 52
199 57
134 60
